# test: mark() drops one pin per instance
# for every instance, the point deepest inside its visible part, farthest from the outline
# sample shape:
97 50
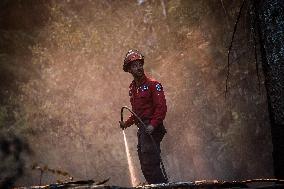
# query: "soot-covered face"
136 69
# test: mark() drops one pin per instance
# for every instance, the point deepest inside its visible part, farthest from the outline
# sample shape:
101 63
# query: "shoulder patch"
145 88
159 87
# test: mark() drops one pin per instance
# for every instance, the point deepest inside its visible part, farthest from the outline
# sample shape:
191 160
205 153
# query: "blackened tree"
270 27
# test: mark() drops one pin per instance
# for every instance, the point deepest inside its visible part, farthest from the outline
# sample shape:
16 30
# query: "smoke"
72 108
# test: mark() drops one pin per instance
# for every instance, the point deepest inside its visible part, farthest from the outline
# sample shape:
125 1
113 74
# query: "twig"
231 44
264 180
47 169
255 49
256 62
225 11
224 7
164 8
41 173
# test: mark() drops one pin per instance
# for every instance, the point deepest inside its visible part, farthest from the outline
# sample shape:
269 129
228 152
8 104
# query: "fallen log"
204 184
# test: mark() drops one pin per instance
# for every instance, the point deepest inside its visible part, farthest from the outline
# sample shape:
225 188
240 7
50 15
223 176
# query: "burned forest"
62 87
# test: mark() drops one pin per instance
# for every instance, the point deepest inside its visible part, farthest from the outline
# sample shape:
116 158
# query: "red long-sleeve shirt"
148 102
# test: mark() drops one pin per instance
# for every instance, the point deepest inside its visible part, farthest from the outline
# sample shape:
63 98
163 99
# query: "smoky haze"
70 106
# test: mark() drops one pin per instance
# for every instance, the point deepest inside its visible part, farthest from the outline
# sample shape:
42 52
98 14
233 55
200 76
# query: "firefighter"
148 102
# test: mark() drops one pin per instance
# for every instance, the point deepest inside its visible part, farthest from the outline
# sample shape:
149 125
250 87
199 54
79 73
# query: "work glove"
122 125
149 129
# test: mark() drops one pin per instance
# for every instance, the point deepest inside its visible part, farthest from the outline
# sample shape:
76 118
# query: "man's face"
136 68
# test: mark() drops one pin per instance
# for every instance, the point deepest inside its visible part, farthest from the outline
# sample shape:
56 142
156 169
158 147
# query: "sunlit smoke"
133 177
73 88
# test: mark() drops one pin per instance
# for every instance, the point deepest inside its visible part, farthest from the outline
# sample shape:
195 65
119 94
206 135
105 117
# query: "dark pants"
149 154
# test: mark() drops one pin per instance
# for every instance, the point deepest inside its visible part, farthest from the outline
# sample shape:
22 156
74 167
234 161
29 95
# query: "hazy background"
62 87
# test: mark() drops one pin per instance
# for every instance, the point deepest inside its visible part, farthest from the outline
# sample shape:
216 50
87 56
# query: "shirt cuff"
129 122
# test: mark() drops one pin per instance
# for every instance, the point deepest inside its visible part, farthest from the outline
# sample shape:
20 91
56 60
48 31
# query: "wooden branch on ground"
204 184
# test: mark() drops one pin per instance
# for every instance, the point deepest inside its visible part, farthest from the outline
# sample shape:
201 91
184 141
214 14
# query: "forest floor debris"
204 184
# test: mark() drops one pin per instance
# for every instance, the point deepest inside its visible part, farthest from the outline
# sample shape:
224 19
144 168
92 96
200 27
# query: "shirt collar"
143 81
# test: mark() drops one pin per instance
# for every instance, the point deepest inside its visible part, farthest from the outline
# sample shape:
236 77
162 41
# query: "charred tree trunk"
270 25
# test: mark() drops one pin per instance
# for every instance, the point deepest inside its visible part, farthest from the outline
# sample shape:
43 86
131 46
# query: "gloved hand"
122 125
149 129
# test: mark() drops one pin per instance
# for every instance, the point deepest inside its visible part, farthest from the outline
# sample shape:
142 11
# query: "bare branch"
231 44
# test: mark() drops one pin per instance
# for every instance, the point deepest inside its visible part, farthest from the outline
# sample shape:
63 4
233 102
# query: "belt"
145 121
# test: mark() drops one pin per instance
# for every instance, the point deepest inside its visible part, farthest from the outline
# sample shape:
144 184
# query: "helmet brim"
127 64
